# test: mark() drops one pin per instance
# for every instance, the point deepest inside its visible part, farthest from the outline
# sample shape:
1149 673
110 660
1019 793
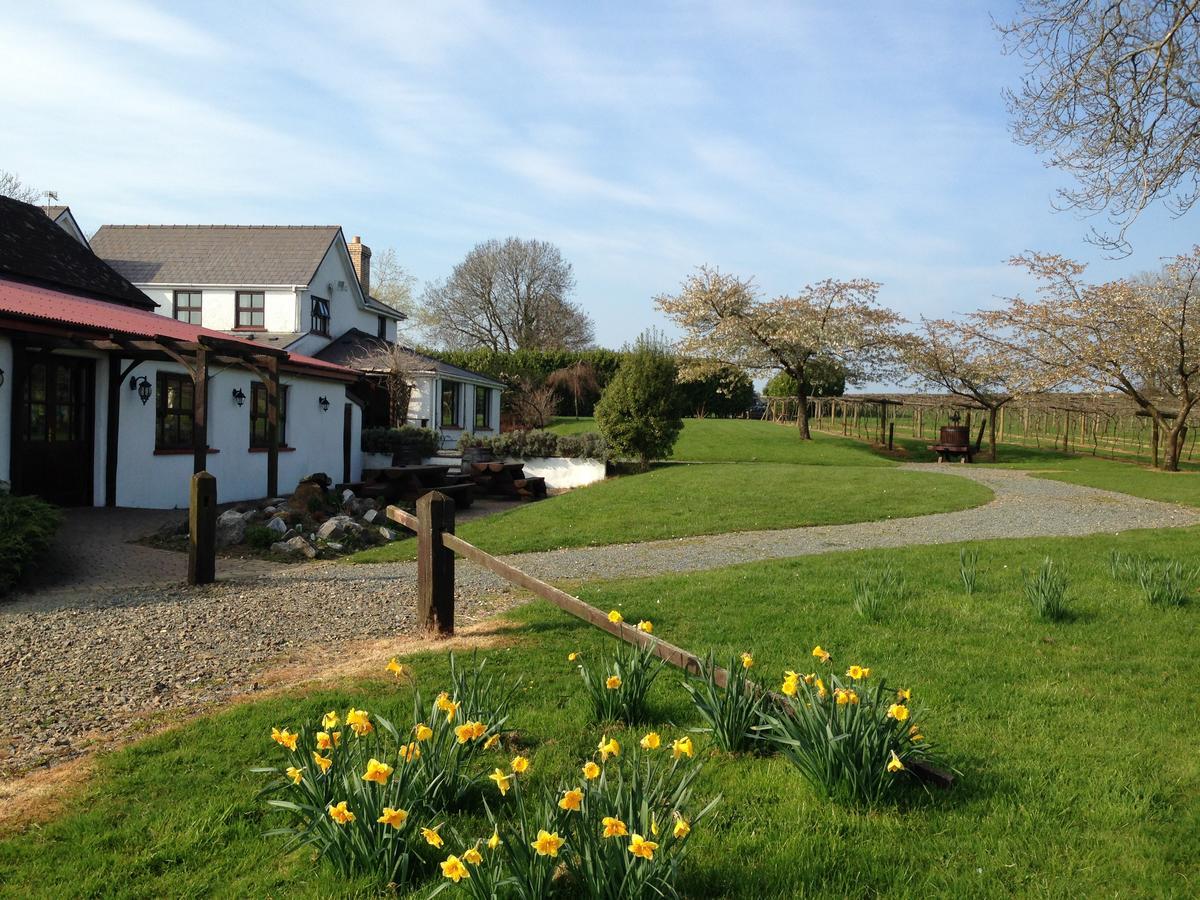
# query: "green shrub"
27 527
407 439
734 713
639 413
854 739
259 537
590 445
1046 591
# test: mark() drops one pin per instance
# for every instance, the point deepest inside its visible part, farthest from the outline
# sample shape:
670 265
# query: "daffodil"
608 747
327 741
340 814
613 827
571 800
791 684
473 856
397 669
821 692
297 775
747 661
494 841
446 705
520 765
914 733
651 741
451 709
359 721
285 738
453 867
857 672
654 826
503 781
615 617
894 764
393 817
821 654
903 695
646 625
572 656
591 771
423 732
377 771
491 742
410 752
639 846
547 844
432 838
323 762
613 682
898 711
330 720
464 733
681 747
478 730
682 828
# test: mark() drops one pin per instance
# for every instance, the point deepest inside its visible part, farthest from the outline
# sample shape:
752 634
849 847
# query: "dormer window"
320 316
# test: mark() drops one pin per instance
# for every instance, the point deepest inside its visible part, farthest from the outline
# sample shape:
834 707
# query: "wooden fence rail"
436 545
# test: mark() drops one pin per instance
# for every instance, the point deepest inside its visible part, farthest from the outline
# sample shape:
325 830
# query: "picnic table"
507 480
410 483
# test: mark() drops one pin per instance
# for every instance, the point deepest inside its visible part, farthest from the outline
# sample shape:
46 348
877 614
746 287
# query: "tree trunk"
992 433
1174 446
802 413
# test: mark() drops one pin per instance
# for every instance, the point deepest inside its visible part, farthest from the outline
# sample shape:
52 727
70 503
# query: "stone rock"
173 529
277 525
277 501
297 546
317 478
270 510
387 534
252 515
347 495
370 516
334 546
308 496
231 528
334 528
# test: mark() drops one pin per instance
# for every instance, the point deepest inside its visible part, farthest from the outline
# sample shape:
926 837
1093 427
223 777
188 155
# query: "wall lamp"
141 384
324 404
239 396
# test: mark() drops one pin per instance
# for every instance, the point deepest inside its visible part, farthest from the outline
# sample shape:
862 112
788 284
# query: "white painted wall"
219 305
6 398
426 403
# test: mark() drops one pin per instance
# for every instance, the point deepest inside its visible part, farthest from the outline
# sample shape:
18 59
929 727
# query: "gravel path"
78 668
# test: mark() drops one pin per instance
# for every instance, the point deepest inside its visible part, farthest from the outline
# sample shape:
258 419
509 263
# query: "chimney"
360 257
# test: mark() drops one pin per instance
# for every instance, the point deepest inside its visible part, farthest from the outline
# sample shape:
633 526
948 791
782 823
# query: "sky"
790 142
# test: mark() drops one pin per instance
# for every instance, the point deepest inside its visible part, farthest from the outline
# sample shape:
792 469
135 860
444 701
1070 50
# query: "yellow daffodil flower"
432 838
639 846
464 733
377 771
393 817
646 625
410 752
359 721
857 672
821 654
747 661
547 844
821 692
914 733
340 814
613 682
397 669
608 748
324 741
574 655
898 711
454 869
491 742
791 684
651 741
323 762
473 856
591 771
284 738
654 826
681 747
478 730
571 800
894 764
295 774
423 732
613 827
503 782
494 841
903 695
682 828
520 765
446 705
615 617
330 720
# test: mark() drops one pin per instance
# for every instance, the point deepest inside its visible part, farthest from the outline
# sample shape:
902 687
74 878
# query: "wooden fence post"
435 564
202 530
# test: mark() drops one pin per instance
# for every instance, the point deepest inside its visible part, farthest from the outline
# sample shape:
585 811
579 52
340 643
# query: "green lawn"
1076 742
683 500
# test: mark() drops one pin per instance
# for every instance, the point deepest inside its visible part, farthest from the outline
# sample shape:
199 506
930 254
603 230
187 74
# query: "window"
187 306
483 408
320 316
382 332
258 415
450 390
250 307
173 412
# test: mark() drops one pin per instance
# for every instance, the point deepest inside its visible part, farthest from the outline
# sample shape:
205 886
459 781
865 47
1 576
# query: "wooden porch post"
272 386
112 429
200 412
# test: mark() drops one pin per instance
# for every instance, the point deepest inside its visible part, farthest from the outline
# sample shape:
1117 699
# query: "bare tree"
507 296
957 358
1138 336
397 367
578 380
391 283
12 186
724 321
1110 95
533 404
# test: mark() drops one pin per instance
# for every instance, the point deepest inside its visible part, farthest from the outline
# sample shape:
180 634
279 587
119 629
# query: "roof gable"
34 248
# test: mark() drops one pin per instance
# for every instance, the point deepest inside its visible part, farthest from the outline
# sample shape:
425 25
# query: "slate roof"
354 347
54 211
34 249
215 254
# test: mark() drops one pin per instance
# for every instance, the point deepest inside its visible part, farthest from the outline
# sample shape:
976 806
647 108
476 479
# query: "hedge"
27 526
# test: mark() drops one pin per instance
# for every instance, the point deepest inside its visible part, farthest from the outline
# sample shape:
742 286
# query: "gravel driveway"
98 665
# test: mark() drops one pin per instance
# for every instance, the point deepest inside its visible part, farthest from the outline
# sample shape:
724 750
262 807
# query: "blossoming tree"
1138 336
955 357
726 322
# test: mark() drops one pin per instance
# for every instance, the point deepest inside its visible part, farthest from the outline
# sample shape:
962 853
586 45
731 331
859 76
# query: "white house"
106 401
300 288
